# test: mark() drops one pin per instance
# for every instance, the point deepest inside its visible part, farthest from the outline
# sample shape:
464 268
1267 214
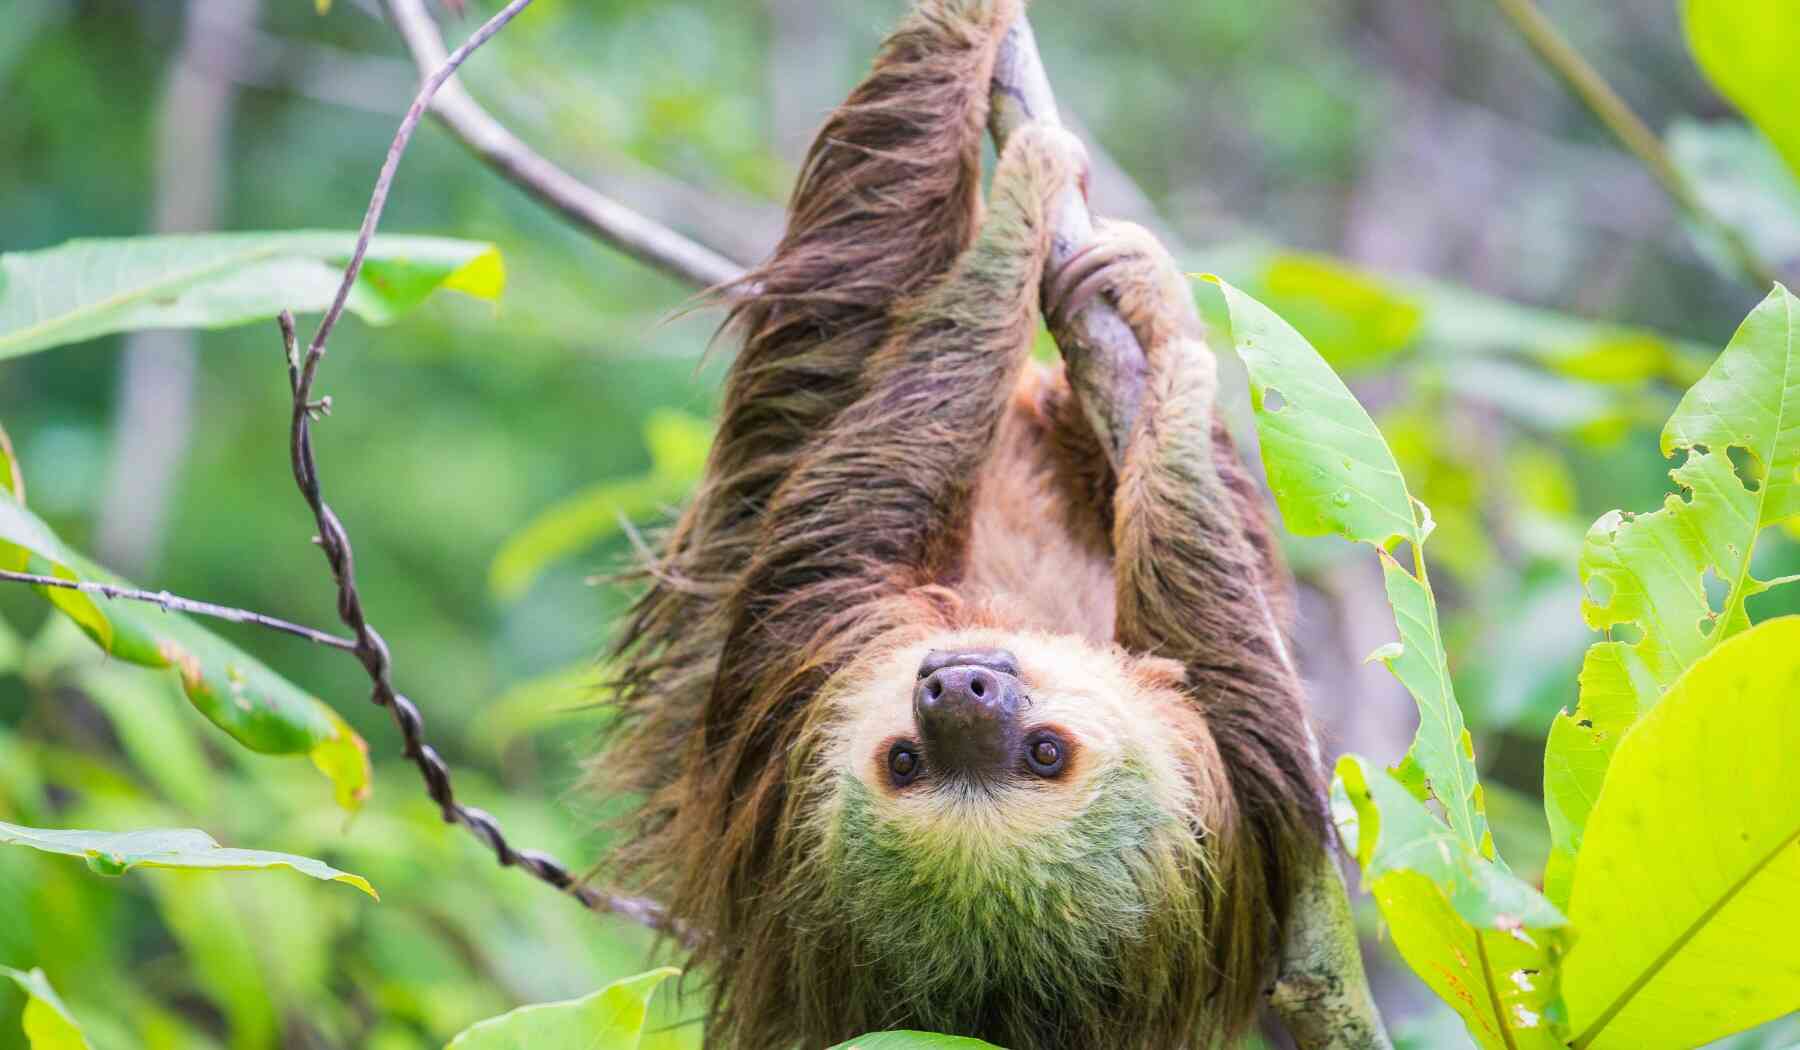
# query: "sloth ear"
1158 672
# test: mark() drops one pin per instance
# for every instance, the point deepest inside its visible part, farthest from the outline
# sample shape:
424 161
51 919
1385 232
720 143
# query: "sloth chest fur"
1038 553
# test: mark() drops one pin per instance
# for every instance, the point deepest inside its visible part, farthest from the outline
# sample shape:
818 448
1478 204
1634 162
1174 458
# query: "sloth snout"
968 711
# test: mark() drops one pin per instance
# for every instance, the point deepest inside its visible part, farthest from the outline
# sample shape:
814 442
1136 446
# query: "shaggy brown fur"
891 466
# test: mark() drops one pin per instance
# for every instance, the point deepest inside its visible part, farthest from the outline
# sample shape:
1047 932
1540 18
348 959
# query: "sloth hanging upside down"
939 718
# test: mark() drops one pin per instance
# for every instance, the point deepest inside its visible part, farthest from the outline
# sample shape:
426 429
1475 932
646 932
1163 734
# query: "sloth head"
994 806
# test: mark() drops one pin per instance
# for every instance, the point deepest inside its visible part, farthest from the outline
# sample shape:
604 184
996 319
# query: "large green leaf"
1648 572
88 288
48 1023
1333 473
1685 884
913 1041
678 445
117 852
1481 938
1747 49
238 693
609 1019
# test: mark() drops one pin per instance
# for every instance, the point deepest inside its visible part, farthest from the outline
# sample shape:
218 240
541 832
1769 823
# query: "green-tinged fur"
951 922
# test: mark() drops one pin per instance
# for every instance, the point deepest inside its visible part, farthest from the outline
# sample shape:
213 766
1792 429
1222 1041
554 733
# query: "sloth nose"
967 708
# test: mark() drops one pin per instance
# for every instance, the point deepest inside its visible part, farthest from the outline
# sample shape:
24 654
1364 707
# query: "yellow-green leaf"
610 1019
117 852
88 288
1747 49
1685 884
1478 936
678 445
48 1023
236 692
1648 571
1355 320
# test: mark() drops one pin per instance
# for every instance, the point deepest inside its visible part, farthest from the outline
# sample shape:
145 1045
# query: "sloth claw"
1093 271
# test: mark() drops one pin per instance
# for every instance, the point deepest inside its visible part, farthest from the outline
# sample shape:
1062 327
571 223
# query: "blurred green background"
1515 299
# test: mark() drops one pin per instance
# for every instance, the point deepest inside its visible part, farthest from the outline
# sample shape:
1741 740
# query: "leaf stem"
1605 103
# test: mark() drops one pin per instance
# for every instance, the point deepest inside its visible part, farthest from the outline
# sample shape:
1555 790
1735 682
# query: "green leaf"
913 1041
88 288
1332 472
12 482
1741 179
1648 571
559 701
1356 321
48 1023
1482 939
1684 886
1747 48
609 1019
117 852
239 694
678 445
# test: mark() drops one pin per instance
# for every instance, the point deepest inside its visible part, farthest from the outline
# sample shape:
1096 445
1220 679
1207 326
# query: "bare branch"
334 541
612 222
175 603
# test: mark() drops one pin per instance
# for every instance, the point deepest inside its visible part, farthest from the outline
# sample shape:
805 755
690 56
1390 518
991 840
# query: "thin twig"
369 648
1613 111
175 603
642 238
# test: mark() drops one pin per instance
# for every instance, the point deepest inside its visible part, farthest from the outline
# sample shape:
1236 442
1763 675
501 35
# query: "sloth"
936 718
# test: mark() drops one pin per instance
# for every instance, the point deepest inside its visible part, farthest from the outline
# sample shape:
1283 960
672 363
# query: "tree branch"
175 603
612 222
1594 92
334 541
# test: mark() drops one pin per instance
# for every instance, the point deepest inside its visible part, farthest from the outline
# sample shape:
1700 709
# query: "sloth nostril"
935 687
978 687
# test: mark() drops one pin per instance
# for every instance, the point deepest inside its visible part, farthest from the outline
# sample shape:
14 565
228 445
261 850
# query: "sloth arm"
877 504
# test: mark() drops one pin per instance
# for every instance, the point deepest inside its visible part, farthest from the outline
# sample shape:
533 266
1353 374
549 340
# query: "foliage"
1683 893
1696 777
1747 47
1333 473
88 288
1496 283
117 852
612 1018
236 692
47 1022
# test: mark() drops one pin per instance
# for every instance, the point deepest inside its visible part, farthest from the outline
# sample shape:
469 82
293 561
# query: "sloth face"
999 802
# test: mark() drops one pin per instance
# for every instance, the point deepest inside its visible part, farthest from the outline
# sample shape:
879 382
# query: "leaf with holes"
117 852
88 288
612 1018
1684 887
1740 429
238 693
1482 939
1333 473
48 1023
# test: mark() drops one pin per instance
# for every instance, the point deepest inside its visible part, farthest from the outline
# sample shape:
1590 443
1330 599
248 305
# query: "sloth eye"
1045 754
903 764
